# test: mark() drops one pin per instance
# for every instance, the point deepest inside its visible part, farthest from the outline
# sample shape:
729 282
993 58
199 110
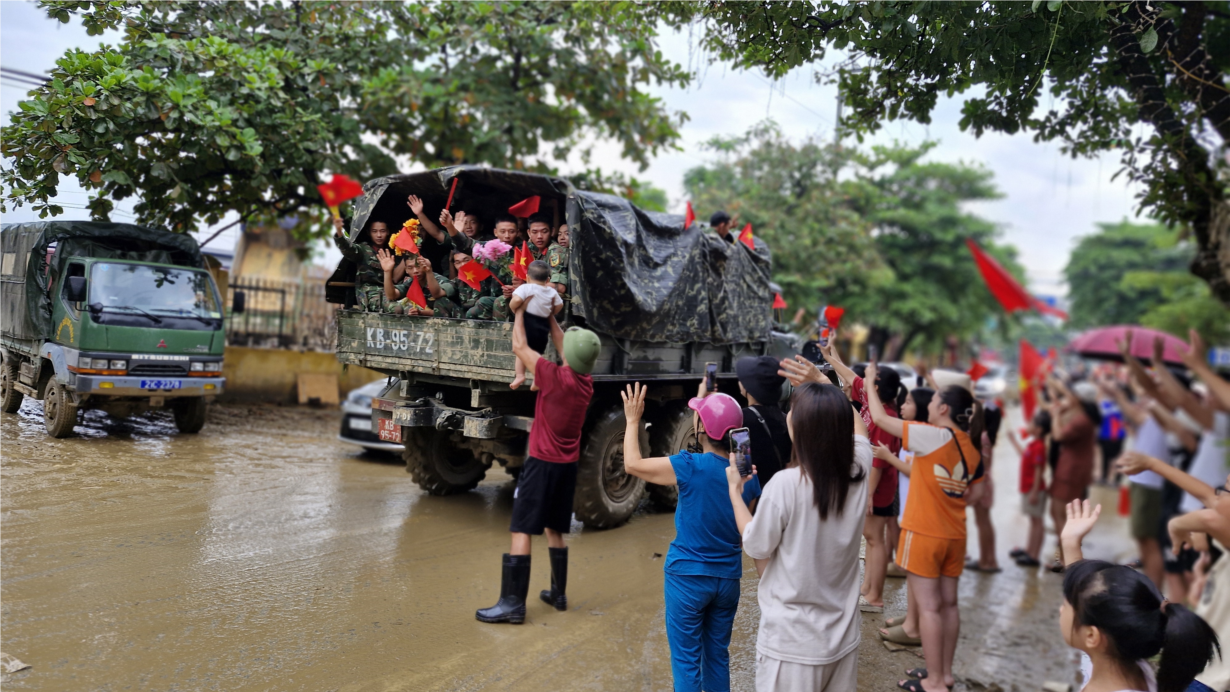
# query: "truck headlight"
85 363
215 366
119 365
197 366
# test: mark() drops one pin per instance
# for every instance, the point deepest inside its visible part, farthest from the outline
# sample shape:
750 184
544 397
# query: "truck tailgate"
470 349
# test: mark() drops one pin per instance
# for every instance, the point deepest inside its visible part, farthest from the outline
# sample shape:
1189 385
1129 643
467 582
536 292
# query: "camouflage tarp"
635 274
82 239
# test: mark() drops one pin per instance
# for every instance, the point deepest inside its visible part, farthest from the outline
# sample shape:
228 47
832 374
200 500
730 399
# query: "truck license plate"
407 341
388 430
161 384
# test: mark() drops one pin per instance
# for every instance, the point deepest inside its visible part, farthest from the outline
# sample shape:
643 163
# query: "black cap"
758 375
717 218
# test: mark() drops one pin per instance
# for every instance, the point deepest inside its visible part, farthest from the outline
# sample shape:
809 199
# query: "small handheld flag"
472 274
779 303
415 293
976 371
832 315
526 207
745 237
689 218
451 190
338 190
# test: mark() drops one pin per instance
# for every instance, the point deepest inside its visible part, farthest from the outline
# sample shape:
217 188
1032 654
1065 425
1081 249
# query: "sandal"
911 685
867 607
1016 553
894 622
1056 567
972 565
897 635
920 673
1027 561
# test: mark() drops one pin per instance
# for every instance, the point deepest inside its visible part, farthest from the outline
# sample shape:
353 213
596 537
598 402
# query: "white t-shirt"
809 592
539 300
1150 679
1210 462
1214 608
1150 439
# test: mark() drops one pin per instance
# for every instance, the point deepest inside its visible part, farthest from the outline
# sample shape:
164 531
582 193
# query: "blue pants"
1198 686
700 613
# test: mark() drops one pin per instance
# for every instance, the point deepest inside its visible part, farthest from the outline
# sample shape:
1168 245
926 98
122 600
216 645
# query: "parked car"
996 384
357 419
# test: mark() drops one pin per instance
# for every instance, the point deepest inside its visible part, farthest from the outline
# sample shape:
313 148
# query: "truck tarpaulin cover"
86 239
636 274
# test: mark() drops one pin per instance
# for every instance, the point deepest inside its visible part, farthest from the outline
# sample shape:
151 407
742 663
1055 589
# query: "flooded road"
263 554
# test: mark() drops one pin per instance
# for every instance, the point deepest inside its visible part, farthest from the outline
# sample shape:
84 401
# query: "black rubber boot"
514 587
554 596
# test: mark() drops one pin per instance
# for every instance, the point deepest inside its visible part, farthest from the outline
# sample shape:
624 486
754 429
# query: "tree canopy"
1091 75
208 107
880 232
1135 274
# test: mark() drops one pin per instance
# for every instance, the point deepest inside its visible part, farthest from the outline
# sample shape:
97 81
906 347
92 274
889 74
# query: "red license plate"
388 430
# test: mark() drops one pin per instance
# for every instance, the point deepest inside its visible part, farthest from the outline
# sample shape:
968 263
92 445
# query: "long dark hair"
963 409
823 448
1129 610
922 399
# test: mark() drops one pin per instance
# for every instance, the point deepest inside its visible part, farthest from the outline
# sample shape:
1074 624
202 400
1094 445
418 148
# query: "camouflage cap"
581 348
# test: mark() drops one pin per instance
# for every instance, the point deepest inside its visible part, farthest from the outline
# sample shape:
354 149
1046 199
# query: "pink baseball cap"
719 413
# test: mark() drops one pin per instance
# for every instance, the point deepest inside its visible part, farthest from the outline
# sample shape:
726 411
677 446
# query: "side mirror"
239 301
76 289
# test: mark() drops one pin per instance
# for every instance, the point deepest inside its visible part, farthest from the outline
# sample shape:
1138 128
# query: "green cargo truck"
109 316
665 299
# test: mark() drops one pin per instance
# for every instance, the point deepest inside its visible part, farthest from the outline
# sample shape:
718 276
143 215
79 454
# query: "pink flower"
491 250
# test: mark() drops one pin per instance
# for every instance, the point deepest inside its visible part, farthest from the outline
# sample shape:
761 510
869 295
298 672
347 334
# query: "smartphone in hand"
741 446
711 377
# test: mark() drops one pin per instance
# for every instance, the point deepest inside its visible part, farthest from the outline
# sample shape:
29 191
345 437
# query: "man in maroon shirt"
543 499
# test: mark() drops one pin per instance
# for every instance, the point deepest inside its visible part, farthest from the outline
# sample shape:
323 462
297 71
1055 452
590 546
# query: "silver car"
996 384
357 419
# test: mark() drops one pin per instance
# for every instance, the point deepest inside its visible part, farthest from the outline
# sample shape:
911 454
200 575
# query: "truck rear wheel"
671 431
10 399
606 495
59 411
190 414
438 466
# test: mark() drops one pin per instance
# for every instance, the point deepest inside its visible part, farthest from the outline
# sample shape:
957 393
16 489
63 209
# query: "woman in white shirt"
805 541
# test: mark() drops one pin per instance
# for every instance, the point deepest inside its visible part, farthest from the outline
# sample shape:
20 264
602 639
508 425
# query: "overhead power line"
24 76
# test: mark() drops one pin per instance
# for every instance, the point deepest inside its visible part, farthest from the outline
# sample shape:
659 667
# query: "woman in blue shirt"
705 561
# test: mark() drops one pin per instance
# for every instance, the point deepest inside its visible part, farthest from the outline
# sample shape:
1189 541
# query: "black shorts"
889 510
537 331
544 497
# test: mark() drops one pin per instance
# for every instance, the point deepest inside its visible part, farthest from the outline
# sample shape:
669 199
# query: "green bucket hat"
581 348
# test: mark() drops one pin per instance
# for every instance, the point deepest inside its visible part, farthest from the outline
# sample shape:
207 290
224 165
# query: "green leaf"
1054 5
1148 41
118 177
1034 6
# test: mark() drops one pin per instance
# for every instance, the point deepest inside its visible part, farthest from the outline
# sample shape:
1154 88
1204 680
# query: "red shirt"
886 490
559 413
1033 460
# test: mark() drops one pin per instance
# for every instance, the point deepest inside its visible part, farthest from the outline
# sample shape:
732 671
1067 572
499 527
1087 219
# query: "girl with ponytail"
1118 619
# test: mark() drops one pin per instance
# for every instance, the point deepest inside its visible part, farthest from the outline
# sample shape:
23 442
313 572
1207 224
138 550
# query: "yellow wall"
266 374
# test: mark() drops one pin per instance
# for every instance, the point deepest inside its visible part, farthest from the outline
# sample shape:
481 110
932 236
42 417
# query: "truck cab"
98 325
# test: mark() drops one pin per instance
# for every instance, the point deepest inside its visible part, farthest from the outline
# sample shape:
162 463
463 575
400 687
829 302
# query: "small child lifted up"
541 303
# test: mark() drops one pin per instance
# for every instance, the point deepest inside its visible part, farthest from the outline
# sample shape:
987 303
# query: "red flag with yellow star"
745 237
415 293
472 274
338 190
521 262
689 218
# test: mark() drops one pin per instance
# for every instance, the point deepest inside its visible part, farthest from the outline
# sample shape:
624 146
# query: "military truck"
664 299
111 316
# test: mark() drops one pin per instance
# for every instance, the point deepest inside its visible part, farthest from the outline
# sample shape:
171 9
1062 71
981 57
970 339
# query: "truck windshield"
163 291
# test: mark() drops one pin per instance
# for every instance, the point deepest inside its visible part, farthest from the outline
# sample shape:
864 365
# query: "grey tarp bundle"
82 239
637 274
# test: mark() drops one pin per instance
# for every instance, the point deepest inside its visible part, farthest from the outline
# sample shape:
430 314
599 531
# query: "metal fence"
281 314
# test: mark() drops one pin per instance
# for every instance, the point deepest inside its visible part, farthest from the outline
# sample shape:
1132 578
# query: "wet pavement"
263 554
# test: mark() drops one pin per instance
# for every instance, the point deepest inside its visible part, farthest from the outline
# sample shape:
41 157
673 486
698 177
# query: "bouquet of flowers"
491 251
407 240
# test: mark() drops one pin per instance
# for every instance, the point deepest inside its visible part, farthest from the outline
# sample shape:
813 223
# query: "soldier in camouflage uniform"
369 279
439 292
557 259
506 231
477 304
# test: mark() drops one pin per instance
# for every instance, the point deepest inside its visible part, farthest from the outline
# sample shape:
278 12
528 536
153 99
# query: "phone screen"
711 377
742 443
873 353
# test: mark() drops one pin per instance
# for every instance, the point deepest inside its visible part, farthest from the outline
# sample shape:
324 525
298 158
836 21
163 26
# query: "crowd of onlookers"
855 454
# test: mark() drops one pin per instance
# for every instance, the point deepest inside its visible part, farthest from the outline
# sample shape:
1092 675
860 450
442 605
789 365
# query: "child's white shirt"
539 300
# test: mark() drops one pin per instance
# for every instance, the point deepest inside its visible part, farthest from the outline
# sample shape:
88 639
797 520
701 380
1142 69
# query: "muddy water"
263 554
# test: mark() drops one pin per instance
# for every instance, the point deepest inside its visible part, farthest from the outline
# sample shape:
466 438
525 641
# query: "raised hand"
1081 518
1134 462
1194 356
800 370
460 219
415 204
387 260
1159 349
634 402
339 227
872 370
830 350
446 219
1125 345
881 451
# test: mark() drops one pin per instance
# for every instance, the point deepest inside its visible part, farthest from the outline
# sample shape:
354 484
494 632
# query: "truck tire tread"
600 445
10 398
420 454
190 415
59 411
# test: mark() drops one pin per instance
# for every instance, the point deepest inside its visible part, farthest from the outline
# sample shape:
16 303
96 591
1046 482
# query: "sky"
1050 200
